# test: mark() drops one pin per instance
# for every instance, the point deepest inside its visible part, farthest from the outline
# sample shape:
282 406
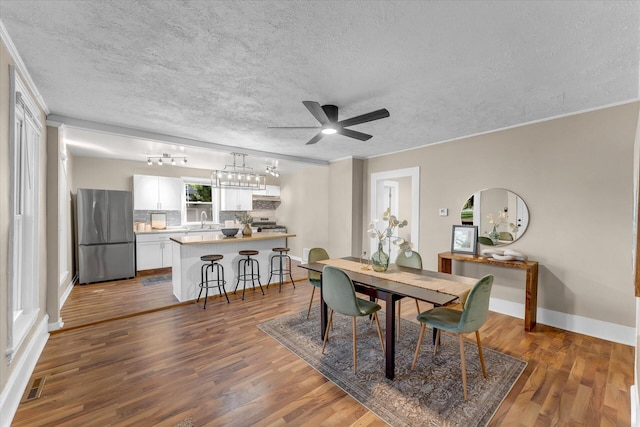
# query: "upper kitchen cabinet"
157 193
270 190
236 200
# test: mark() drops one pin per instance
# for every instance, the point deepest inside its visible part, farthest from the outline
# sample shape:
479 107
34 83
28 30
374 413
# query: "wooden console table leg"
531 299
444 265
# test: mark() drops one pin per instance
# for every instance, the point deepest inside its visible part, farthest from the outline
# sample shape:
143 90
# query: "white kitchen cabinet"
154 250
236 200
157 193
270 190
273 190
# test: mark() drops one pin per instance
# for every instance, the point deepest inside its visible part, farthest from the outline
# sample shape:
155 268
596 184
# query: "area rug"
429 396
155 279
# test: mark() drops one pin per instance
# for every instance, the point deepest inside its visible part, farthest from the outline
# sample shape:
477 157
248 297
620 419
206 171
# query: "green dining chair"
413 260
506 236
315 255
339 294
471 319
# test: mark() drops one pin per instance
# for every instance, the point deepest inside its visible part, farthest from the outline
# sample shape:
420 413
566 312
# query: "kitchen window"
200 202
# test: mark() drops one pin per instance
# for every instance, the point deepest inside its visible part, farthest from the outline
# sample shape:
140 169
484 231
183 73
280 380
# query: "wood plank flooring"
215 367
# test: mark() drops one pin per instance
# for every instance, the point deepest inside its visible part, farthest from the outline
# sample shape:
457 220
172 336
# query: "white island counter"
187 251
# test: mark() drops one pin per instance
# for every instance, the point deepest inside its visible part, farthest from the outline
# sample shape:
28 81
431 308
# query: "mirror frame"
379 177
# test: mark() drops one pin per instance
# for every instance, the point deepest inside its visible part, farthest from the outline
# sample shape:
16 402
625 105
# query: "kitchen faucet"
203 218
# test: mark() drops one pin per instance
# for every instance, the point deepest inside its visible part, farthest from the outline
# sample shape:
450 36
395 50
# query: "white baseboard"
297 258
570 322
67 292
19 378
56 325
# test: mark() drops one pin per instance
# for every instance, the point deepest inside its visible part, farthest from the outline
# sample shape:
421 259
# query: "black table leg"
390 336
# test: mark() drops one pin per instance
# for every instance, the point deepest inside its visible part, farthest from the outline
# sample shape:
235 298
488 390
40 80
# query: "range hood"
269 203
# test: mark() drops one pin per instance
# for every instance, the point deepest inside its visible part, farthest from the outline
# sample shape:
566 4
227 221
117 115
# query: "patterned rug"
155 279
429 396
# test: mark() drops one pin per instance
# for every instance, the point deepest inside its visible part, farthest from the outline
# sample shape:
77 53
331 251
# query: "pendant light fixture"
238 176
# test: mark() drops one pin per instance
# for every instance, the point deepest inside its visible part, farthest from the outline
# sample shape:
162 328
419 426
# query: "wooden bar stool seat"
211 264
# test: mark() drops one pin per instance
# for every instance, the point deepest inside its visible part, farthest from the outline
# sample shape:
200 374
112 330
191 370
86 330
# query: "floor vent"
34 390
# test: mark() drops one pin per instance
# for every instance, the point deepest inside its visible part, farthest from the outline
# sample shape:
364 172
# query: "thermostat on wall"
443 211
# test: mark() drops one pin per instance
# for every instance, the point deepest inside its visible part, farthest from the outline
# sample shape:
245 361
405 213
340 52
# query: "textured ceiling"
221 72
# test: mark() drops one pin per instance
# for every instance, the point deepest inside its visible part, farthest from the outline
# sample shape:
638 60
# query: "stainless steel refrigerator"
106 241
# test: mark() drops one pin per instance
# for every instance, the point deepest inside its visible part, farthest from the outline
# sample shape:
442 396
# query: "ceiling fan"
327 115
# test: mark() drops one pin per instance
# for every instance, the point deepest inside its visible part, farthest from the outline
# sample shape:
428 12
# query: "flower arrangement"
245 218
496 222
387 234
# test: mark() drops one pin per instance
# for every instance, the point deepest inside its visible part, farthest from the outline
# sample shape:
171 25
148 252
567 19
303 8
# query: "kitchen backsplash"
174 218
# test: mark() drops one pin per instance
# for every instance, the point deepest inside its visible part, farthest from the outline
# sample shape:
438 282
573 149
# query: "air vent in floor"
34 390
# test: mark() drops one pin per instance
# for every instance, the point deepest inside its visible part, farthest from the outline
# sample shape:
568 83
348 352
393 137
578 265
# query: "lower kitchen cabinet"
154 250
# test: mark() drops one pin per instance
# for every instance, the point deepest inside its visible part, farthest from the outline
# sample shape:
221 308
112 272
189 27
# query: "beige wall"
304 208
6 370
56 285
575 174
345 208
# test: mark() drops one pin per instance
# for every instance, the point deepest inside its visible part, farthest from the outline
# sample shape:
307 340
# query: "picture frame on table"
464 239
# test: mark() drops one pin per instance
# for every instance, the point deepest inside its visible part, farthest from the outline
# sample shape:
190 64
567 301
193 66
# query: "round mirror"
501 216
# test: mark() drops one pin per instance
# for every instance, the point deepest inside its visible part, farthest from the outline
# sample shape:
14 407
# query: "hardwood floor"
217 368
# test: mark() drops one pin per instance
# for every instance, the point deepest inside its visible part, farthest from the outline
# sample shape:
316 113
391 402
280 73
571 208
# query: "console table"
531 267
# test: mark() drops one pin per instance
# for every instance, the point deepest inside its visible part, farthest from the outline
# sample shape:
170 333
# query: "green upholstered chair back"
505 235
413 260
315 255
476 307
338 292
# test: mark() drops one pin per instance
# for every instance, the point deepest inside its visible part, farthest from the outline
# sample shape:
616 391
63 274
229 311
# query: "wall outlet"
443 211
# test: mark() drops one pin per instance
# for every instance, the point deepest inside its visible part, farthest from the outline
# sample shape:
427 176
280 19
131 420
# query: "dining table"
392 285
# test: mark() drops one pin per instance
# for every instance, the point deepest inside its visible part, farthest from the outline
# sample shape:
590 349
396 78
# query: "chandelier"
166 159
236 176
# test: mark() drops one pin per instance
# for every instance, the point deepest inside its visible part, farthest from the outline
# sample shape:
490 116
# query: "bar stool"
282 268
205 283
242 271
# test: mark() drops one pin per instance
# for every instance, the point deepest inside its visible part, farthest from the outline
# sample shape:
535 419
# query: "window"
200 201
24 162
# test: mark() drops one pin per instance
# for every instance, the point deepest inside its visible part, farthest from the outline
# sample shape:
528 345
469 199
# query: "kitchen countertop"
180 230
220 238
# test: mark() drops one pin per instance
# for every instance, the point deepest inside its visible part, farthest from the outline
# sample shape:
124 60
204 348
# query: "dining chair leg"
379 332
484 371
437 343
355 354
313 291
423 327
464 366
326 333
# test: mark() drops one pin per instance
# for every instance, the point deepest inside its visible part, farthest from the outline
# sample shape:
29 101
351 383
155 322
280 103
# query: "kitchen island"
187 251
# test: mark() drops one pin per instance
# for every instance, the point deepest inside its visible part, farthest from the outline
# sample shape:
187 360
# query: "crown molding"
22 69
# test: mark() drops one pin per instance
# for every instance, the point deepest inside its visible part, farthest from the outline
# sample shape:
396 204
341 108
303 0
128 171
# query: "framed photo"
464 239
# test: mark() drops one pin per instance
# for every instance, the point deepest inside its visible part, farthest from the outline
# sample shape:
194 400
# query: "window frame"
215 200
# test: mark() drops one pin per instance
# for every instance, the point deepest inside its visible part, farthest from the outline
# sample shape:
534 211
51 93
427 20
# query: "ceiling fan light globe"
329 131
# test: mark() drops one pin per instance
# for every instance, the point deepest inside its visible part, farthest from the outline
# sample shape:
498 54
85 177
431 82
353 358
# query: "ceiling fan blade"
354 134
317 111
315 139
374 115
293 127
